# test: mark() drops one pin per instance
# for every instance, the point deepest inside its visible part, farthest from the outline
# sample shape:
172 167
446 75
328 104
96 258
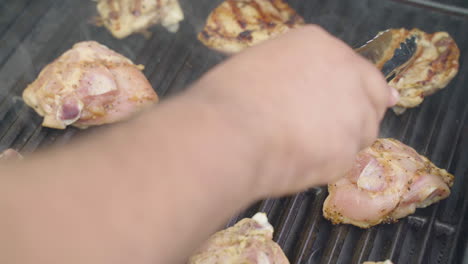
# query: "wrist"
230 147
262 147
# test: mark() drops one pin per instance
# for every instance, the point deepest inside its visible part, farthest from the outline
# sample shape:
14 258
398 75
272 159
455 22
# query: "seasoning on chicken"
125 17
435 64
10 154
89 85
249 242
388 181
237 24
380 262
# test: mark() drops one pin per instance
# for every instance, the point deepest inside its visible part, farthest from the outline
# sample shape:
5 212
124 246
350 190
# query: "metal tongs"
390 52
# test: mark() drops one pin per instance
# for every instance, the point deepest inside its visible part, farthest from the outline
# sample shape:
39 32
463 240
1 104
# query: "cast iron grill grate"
34 32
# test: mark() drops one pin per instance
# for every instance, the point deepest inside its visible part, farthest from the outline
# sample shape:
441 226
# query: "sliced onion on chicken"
388 181
89 85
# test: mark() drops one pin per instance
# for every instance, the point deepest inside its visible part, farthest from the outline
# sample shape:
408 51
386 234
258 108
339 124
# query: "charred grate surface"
456 7
454 3
34 32
461 3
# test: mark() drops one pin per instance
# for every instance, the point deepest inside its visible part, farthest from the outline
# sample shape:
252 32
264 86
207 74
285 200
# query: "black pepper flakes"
245 35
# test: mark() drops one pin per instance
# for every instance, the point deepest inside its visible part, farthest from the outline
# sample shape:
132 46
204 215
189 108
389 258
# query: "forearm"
152 190
143 192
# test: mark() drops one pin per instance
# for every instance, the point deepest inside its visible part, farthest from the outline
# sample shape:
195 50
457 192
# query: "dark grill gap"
455 7
34 32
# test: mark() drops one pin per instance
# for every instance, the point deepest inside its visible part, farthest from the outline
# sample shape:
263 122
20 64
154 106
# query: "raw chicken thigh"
89 85
237 24
247 242
388 181
125 17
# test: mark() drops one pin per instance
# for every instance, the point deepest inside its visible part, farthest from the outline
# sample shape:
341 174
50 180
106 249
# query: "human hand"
307 102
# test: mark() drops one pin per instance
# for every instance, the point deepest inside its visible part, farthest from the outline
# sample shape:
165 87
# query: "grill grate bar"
167 84
33 142
10 39
457 236
174 60
335 244
436 208
160 51
30 144
363 251
288 218
12 130
465 200
10 13
311 224
450 9
60 38
63 38
267 205
396 244
427 235
45 53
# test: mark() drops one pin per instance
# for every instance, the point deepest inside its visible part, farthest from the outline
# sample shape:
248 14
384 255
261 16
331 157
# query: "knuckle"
314 28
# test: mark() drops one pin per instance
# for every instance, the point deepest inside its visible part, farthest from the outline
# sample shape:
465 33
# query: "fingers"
395 96
370 126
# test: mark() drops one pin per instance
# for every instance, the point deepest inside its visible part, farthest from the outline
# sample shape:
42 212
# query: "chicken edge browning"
125 17
238 24
388 181
249 241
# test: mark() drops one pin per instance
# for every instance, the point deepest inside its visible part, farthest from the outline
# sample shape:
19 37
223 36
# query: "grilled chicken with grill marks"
89 85
237 24
125 17
10 154
435 64
388 181
248 242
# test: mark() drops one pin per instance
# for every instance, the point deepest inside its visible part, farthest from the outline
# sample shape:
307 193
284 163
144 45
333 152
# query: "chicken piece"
435 64
388 181
237 24
125 17
10 154
248 242
89 85
380 262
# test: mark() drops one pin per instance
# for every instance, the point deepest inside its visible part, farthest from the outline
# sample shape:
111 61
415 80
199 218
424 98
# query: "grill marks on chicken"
435 64
249 241
89 85
237 24
125 17
388 181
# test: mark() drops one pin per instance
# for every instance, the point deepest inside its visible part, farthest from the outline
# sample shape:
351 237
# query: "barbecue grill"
34 32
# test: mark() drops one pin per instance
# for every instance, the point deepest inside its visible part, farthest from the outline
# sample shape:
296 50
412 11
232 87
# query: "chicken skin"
435 64
125 17
248 242
237 24
89 85
388 181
